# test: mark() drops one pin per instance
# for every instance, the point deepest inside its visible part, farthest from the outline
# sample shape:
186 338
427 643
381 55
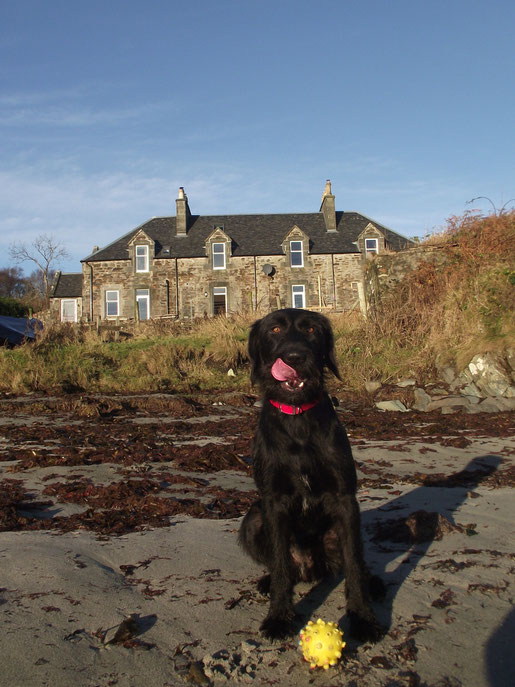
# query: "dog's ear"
254 352
330 356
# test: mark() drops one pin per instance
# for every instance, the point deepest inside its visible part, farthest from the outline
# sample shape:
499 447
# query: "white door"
143 303
219 300
69 310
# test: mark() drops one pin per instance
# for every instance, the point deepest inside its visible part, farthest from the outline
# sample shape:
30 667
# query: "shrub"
10 307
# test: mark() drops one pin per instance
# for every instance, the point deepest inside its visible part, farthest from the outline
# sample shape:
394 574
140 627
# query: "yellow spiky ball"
321 644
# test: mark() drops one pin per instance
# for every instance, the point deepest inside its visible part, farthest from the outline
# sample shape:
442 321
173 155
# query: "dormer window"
218 256
296 254
371 246
141 258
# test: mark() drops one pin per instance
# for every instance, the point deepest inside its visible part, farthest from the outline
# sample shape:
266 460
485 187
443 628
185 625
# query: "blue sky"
108 106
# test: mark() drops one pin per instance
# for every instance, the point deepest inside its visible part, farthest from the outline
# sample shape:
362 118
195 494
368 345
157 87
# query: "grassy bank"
444 314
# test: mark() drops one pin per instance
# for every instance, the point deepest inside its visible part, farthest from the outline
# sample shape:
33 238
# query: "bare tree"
45 252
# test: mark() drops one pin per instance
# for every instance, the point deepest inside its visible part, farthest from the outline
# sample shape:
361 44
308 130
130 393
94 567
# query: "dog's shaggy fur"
306 524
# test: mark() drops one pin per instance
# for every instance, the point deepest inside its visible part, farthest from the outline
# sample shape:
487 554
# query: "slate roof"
68 285
250 234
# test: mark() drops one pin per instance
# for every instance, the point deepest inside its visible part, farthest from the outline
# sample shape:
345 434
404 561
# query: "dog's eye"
310 330
276 329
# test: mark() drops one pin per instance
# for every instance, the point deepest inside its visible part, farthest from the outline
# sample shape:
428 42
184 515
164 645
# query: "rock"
452 402
490 375
510 359
447 374
394 405
496 405
438 391
231 373
471 389
372 387
405 383
422 400
465 377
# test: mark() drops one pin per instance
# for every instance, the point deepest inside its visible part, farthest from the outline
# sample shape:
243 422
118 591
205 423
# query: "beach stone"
422 400
510 359
447 374
406 382
490 376
471 389
394 405
452 402
372 387
496 405
438 391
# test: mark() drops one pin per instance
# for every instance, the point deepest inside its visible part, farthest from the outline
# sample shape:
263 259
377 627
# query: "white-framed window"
68 310
296 254
298 296
141 258
218 256
219 300
371 246
143 304
112 303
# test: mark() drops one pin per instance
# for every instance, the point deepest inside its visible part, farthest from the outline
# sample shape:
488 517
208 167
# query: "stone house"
189 266
66 297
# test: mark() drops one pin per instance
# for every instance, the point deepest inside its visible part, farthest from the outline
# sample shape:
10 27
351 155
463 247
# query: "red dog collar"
293 410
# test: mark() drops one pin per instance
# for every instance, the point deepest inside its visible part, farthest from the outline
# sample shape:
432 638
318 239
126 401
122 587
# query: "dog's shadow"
395 543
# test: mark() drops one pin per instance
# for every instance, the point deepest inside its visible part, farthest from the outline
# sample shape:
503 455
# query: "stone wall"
388 269
185 286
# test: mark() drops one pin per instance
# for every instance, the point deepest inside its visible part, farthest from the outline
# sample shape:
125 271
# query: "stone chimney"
328 208
183 213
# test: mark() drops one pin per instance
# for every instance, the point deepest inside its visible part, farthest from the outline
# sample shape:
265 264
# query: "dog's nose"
294 358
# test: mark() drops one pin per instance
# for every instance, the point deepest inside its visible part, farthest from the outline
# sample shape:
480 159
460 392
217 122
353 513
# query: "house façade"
188 266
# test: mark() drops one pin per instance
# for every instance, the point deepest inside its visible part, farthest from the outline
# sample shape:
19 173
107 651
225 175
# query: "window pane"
141 258
298 296
296 259
112 303
219 256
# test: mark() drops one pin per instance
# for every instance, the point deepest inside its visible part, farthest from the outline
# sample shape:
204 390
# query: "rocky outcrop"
486 384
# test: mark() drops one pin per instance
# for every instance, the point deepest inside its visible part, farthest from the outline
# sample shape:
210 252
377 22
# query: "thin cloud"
69 108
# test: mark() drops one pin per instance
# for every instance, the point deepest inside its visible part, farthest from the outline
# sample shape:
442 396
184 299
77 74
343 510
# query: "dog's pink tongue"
281 371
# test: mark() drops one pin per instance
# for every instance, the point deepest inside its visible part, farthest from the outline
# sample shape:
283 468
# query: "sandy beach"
120 564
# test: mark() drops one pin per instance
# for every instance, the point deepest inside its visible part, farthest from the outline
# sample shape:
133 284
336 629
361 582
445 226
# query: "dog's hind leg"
251 536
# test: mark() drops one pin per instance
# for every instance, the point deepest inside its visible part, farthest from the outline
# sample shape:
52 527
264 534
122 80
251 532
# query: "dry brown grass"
446 313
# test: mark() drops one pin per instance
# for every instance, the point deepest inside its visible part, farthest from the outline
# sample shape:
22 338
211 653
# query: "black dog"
306 524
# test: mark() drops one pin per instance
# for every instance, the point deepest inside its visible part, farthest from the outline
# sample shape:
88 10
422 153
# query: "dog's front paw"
278 627
365 628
